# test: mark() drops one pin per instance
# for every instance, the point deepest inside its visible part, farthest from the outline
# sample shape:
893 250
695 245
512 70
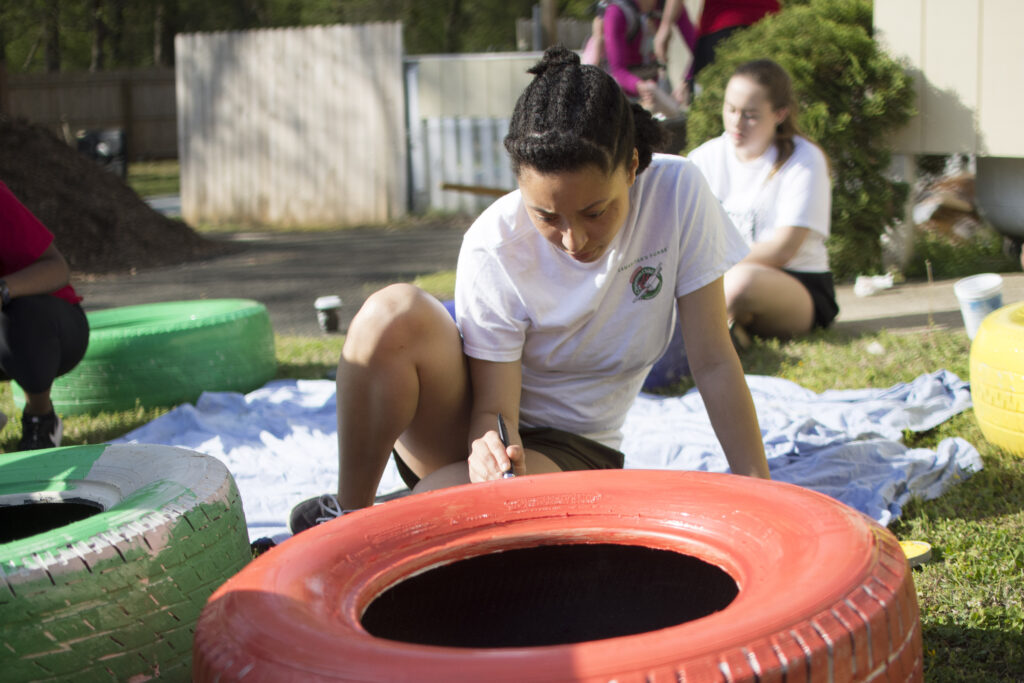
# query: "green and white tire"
164 354
114 596
997 377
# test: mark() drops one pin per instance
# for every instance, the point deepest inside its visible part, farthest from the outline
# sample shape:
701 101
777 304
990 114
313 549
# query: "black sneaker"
315 511
40 431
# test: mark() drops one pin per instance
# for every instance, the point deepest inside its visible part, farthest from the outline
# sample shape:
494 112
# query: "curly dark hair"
572 115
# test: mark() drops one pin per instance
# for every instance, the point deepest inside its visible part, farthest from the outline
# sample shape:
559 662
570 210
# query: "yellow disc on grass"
917 552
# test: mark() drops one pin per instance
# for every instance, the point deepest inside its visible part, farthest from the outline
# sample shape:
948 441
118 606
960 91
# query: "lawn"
972 592
154 178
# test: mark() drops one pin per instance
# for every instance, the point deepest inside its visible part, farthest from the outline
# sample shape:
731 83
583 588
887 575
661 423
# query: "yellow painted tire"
997 377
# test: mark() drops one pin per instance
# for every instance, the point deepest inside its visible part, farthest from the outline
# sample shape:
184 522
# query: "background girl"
775 185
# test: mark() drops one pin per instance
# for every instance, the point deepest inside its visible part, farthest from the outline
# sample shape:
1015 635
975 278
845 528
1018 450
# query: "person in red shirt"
43 329
719 19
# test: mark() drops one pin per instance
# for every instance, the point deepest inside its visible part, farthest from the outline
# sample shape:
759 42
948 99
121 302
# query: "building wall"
967 59
292 127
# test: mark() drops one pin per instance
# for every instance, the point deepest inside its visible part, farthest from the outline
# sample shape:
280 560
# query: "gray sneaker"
315 511
40 431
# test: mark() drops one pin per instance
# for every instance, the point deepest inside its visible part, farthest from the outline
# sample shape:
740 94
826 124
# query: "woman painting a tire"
566 294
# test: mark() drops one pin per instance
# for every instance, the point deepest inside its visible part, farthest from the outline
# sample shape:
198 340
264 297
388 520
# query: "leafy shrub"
852 96
985 253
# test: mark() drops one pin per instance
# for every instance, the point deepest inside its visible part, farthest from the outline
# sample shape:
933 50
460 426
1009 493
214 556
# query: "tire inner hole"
549 595
21 521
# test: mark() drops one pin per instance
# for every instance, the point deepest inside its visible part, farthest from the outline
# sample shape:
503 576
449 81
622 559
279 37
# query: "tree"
137 33
51 34
99 36
160 32
851 95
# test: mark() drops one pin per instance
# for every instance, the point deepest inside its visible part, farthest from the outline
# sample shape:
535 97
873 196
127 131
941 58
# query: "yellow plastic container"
997 377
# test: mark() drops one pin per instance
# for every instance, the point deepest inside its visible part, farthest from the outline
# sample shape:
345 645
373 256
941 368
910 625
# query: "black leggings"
41 338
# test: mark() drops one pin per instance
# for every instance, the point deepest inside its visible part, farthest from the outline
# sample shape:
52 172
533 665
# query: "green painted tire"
164 354
116 595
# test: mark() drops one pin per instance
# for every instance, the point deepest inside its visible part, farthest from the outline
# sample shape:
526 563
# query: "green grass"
970 594
153 178
441 284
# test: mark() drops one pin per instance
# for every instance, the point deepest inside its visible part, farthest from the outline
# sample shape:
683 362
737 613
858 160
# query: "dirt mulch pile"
100 224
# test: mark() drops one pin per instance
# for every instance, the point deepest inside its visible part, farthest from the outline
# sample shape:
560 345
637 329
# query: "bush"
985 253
852 96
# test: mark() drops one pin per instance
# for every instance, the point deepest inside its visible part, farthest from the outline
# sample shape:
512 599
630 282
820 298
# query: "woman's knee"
739 285
398 318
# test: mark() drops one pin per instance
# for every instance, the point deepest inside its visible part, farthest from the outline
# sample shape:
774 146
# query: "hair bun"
555 56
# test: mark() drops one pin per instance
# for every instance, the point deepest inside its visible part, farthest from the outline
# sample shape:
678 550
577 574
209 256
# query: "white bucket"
327 312
978 295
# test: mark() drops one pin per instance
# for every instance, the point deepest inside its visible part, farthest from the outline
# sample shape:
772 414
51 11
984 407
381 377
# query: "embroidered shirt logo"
646 282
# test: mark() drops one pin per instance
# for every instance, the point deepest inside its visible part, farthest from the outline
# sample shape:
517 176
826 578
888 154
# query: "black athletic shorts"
822 289
567 450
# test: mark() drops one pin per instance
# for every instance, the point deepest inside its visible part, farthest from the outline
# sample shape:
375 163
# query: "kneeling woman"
566 293
775 185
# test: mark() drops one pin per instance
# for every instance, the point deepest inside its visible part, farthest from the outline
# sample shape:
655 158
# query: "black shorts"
822 289
567 450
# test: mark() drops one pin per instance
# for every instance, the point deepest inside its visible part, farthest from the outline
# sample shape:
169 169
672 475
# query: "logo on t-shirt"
646 282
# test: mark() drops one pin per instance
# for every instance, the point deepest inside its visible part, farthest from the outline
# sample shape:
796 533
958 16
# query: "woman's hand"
496 389
46 274
490 459
681 93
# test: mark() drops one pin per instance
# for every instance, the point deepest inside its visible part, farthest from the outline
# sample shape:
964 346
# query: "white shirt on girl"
799 194
588 333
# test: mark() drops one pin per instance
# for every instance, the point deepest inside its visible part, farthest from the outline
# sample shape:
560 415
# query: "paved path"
907 307
288 271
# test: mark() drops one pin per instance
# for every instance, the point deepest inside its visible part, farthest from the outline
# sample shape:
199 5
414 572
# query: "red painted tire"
824 593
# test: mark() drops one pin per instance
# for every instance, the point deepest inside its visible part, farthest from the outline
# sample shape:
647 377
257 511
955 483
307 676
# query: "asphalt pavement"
288 271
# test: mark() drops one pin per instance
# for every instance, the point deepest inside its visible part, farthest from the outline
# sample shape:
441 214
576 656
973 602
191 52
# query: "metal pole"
538 30
549 12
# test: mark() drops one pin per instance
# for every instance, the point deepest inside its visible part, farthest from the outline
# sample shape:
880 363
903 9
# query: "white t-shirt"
800 195
588 333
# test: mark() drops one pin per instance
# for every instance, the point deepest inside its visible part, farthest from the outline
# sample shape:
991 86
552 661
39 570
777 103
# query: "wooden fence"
458 114
293 127
307 126
138 101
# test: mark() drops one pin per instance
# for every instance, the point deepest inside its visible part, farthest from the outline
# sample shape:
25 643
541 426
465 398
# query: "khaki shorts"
567 450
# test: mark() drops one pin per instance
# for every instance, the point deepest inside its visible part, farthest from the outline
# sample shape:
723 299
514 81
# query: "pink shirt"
622 53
